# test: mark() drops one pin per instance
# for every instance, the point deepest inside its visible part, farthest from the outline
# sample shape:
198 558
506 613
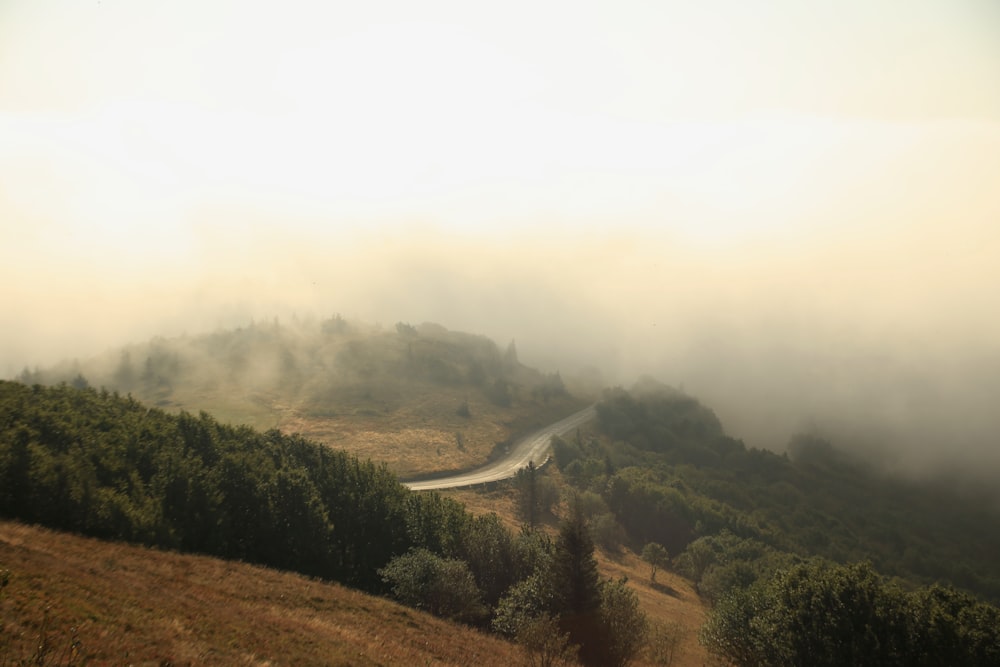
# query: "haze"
791 210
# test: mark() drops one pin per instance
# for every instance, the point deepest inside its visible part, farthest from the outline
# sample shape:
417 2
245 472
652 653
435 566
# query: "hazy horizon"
793 212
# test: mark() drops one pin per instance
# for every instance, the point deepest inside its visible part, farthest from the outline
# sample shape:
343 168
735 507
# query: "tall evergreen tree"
577 587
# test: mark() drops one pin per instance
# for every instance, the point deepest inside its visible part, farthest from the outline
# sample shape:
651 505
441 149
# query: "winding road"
532 447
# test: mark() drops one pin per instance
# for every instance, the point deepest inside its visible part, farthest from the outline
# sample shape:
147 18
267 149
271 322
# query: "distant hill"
419 398
669 473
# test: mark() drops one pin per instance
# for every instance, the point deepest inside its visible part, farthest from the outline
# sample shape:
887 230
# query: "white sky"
166 165
694 116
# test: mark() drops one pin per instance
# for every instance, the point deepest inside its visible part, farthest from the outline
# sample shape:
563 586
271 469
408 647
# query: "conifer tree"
577 587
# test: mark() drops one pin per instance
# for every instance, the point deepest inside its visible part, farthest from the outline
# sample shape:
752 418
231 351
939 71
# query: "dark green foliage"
823 614
623 624
649 511
601 618
576 589
675 476
496 558
523 603
545 644
564 452
575 580
662 420
103 465
656 556
953 627
718 563
536 494
443 586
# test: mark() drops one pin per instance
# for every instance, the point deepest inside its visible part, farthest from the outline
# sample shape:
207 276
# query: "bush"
444 587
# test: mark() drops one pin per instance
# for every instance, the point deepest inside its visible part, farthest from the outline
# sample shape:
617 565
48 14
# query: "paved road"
532 447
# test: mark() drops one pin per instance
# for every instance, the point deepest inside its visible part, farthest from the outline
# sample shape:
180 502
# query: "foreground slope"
124 604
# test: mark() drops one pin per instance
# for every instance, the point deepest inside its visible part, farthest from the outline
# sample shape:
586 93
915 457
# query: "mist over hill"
419 398
909 382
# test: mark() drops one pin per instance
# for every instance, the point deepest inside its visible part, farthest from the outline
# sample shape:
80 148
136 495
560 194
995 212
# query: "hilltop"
418 398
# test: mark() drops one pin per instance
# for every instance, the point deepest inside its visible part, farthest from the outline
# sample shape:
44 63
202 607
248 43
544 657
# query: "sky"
791 208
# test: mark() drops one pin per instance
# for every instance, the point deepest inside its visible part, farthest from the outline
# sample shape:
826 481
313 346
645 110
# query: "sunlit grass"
129 605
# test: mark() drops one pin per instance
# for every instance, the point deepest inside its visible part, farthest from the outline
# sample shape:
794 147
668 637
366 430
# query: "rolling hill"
418 398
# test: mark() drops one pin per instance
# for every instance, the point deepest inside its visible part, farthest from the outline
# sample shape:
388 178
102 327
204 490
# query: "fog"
814 250
879 337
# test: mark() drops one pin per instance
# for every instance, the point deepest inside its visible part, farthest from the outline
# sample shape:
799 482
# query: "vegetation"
600 620
656 556
822 614
775 541
536 495
793 552
103 465
99 464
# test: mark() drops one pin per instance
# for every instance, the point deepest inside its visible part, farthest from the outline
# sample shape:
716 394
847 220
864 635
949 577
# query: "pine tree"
577 587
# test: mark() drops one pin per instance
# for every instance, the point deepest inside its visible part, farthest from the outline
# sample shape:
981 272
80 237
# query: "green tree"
815 614
576 587
526 483
524 603
624 624
544 644
656 555
444 587
536 494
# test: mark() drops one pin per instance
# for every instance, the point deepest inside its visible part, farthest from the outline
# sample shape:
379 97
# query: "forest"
807 558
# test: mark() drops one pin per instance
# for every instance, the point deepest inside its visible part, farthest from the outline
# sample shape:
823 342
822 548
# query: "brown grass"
422 432
416 431
129 605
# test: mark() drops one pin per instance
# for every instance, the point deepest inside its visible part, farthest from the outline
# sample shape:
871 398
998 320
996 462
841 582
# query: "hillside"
418 398
101 464
809 559
745 527
121 604
676 476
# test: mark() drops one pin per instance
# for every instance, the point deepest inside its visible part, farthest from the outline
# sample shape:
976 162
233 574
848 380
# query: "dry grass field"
423 432
73 600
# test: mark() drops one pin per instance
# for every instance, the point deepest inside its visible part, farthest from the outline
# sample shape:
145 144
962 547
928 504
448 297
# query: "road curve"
532 447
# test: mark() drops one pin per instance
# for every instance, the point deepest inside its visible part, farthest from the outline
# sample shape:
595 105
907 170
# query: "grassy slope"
130 605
